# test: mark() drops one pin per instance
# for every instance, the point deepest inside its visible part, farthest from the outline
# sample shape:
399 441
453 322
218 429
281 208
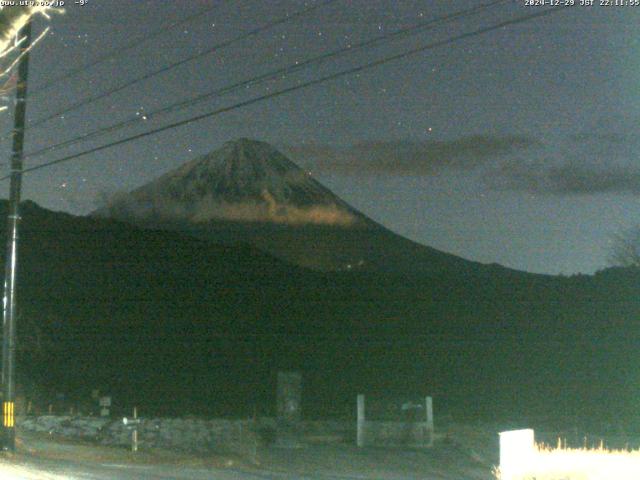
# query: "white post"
517 453
428 403
361 421
134 433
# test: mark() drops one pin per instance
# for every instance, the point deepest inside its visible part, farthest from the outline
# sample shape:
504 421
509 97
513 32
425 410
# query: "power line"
333 76
432 23
167 68
310 83
116 52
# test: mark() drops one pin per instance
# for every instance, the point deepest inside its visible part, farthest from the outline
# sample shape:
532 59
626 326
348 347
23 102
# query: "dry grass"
563 463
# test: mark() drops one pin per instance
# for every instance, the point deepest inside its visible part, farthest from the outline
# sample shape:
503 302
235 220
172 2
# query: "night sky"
517 147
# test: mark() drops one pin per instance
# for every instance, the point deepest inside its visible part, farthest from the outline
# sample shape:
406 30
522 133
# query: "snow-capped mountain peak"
245 180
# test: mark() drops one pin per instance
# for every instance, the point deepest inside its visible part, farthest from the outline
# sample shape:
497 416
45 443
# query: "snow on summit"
245 181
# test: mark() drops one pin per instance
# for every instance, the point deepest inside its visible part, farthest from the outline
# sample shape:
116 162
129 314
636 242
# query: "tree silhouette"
625 248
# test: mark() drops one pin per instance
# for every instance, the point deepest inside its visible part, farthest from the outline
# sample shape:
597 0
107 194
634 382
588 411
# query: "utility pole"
11 259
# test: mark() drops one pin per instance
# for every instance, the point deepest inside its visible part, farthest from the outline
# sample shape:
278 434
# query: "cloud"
568 179
125 206
600 138
586 163
409 158
271 211
580 164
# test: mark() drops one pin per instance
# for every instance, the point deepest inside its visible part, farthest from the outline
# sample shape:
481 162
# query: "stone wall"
195 435
397 433
190 434
202 435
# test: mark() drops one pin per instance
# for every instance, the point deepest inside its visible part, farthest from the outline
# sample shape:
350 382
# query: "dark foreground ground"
44 457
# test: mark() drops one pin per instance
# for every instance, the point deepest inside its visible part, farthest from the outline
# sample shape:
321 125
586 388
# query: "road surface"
43 457
39 469
21 468
28 467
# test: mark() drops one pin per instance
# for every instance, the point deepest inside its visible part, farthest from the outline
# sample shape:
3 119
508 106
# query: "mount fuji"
248 192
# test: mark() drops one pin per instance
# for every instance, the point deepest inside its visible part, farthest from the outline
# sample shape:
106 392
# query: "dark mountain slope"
248 192
178 325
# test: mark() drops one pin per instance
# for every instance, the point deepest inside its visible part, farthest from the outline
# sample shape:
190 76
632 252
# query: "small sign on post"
105 404
132 423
